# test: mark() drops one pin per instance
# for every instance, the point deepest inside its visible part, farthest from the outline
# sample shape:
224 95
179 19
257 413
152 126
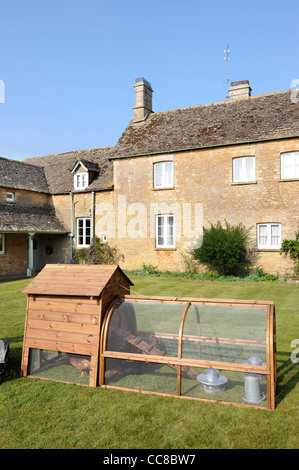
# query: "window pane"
244 169
297 165
160 230
238 168
249 168
170 234
275 235
290 165
262 235
168 174
158 174
1 242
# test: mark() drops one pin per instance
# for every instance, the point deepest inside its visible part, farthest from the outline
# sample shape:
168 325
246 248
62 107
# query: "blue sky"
69 66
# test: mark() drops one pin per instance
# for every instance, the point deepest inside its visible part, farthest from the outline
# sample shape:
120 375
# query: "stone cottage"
169 174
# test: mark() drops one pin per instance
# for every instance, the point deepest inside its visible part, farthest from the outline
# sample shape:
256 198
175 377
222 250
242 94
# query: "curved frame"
178 362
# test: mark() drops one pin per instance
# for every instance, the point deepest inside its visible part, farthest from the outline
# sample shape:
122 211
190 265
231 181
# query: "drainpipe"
30 269
92 216
72 234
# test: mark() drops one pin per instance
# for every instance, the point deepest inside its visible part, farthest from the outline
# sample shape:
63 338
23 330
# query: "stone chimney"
143 99
239 90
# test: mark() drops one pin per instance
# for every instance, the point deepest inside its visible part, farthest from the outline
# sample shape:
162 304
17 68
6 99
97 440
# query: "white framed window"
289 162
81 180
10 197
2 244
83 232
163 175
269 236
165 231
243 169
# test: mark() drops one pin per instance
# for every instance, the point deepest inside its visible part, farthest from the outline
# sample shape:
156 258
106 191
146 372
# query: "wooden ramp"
151 348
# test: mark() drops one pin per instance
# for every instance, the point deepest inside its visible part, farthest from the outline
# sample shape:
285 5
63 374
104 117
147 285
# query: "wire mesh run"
60 366
188 347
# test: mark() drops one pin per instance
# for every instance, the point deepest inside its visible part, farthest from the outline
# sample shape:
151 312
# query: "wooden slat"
64 317
61 336
201 301
72 307
264 370
52 326
86 349
61 299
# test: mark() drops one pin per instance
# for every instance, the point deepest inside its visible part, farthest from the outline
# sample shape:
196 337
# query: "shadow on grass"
287 375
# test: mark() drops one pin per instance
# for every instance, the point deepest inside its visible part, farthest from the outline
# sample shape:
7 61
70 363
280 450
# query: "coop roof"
73 279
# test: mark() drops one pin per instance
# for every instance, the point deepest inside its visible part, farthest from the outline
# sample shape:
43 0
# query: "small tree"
223 248
98 253
291 248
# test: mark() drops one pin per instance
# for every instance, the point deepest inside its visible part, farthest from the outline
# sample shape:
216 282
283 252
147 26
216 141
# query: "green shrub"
98 253
223 249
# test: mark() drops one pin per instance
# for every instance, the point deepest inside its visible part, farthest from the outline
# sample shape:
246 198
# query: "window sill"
269 249
165 249
241 183
167 188
284 180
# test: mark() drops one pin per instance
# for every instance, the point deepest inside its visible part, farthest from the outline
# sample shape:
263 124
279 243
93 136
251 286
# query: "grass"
39 414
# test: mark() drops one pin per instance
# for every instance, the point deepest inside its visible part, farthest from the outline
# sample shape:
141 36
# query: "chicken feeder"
211 381
252 383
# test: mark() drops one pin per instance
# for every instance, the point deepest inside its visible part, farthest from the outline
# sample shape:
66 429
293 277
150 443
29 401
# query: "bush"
98 253
223 248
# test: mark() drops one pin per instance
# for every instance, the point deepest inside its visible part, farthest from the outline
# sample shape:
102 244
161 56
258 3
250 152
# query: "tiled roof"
251 119
29 218
58 169
18 175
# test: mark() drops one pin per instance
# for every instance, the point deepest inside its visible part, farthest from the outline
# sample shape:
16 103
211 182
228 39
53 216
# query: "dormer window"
81 180
10 197
84 173
81 176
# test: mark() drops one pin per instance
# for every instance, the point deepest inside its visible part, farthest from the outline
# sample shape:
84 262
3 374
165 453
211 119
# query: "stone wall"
203 192
203 179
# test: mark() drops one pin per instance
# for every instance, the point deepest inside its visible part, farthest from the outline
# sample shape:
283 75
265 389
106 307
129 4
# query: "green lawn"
36 413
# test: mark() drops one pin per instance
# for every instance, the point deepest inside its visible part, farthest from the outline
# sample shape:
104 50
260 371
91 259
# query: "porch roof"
29 218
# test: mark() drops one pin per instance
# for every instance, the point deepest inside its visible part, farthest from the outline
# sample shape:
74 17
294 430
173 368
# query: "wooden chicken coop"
84 326
65 308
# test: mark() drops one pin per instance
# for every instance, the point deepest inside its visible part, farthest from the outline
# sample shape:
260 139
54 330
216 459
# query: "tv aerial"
226 58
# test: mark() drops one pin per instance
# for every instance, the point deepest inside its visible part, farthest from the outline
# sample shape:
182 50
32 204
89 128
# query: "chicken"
80 362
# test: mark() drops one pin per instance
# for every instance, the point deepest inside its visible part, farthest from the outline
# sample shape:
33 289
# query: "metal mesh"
141 375
59 366
224 334
212 334
145 328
